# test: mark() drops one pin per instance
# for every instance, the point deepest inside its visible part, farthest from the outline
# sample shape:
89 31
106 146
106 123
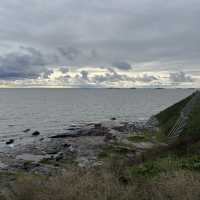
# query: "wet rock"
97 131
97 126
59 156
35 133
113 118
66 145
72 128
11 141
61 136
26 130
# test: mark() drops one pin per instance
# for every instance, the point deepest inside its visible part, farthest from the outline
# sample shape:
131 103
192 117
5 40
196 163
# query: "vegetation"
171 176
89 185
193 125
168 117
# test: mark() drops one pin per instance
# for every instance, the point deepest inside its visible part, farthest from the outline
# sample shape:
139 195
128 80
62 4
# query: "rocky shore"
80 145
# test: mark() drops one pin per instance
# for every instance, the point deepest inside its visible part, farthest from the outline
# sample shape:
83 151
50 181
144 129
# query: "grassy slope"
193 125
168 117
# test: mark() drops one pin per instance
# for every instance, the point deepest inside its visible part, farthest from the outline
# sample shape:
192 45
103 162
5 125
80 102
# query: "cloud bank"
100 43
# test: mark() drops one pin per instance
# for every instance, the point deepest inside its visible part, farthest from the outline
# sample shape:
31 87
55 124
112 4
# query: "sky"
92 43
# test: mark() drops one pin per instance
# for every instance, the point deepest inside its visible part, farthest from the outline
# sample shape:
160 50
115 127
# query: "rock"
71 149
35 133
11 141
113 118
96 131
66 145
97 126
121 128
28 165
109 136
52 151
59 156
26 130
61 136
72 128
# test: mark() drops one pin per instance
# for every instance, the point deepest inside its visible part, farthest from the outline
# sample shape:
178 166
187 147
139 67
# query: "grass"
171 175
193 125
139 138
168 117
117 148
106 184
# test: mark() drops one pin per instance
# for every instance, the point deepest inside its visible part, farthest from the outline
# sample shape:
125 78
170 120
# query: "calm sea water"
51 111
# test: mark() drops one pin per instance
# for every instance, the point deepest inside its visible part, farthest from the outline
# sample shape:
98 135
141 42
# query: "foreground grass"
170 176
78 184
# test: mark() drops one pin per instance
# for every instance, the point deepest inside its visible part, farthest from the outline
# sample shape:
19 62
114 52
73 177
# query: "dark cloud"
46 73
70 53
180 77
29 63
84 75
64 69
146 78
122 65
113 76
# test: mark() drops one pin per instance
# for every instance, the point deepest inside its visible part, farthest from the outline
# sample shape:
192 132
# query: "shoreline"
81 145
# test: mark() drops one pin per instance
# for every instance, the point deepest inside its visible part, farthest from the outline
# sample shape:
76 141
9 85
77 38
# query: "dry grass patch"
98 184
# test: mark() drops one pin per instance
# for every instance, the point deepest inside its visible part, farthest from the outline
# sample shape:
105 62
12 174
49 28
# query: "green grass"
168 163
139 138
148 136
168 117
193 124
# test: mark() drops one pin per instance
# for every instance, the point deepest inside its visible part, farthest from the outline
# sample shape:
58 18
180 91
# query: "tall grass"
103 184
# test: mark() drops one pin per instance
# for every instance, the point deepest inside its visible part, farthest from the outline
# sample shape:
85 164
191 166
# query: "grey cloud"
22 65
180 77
146 78
96 33
64 69
71 53
46 73
122 65
113 76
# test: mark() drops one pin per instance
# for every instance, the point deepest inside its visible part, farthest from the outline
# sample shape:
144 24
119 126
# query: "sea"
53 111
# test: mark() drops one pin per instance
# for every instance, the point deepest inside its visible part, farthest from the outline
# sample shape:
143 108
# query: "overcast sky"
99 43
